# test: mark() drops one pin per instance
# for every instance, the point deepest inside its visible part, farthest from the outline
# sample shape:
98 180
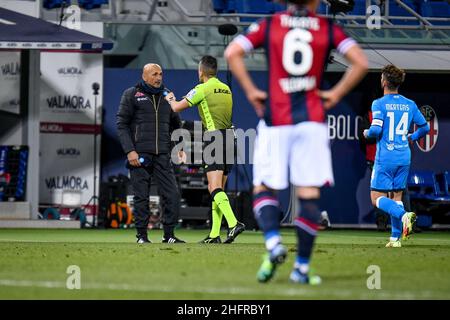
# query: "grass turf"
33 265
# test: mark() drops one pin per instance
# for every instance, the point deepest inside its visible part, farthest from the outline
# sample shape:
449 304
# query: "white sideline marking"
319 237
62 241
23 240
379 237
289 292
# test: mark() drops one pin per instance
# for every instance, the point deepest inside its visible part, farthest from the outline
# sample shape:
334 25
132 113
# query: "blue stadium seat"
430 195
230 6
435 9
276 7
396 10
253 6
219 6
422 185
90 4
51 4
322 9
359 9
443 181
86 4
424 221
447 183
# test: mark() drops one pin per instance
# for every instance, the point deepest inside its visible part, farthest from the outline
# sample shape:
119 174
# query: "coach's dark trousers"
160 168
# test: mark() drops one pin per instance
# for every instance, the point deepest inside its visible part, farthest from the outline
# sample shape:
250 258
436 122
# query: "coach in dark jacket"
145 121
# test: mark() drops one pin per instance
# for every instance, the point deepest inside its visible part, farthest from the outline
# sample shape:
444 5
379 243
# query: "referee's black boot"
208 239
172 239
234 232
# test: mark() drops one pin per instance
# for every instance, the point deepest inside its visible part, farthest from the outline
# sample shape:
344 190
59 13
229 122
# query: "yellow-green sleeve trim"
208 117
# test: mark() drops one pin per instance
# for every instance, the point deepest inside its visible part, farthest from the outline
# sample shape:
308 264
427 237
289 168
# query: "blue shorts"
389 177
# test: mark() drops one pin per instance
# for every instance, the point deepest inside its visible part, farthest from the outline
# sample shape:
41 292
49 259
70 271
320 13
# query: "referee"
215 103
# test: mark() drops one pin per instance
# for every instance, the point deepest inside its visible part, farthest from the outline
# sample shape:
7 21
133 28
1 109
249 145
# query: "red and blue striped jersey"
297 45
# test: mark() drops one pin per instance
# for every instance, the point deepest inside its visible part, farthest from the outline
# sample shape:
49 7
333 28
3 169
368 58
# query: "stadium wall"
348 202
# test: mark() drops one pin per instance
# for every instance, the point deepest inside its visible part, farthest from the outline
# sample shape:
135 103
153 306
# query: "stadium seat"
224 6
422 185
323 8
253 6
359 9
443 181
425 185
91 4
275 7
430 195
398 11
219 6
447 182
424 221
51 4
436 9
230 6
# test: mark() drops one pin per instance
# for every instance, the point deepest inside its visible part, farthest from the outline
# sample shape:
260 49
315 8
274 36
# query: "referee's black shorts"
213 161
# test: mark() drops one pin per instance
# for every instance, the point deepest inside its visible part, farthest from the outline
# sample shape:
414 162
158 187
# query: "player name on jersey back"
288 21
297 45
295 83
397 107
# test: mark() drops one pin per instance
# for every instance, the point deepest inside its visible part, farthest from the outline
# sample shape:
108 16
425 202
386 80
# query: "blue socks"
268 215
396 225
391 207
307 225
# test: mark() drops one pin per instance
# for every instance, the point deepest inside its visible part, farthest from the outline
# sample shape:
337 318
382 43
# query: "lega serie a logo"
428 142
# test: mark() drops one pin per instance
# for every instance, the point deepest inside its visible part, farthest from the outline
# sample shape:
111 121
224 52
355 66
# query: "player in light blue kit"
392 118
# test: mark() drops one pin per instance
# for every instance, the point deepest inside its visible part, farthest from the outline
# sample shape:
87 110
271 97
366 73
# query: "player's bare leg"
307 225
268 214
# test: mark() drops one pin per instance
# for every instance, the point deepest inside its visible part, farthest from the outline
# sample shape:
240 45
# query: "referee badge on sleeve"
191 94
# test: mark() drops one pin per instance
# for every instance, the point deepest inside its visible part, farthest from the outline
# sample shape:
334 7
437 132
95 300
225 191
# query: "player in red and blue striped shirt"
292 143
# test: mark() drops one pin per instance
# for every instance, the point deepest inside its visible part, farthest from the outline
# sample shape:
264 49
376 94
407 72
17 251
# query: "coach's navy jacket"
145 122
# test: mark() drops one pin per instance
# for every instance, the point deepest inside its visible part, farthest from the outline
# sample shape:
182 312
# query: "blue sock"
268 214
302 264
396 225
272 239
391 207
307 225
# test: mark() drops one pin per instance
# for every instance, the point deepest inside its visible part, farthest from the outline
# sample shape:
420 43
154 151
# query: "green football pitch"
34 264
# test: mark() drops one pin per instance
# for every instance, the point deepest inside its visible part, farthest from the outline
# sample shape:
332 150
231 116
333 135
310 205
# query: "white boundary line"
259 242
306 292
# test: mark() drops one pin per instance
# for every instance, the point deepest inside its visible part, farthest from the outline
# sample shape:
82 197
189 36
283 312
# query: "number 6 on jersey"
297 40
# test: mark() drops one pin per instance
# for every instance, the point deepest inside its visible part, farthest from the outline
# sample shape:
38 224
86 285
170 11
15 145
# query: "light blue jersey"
394 114
392 117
